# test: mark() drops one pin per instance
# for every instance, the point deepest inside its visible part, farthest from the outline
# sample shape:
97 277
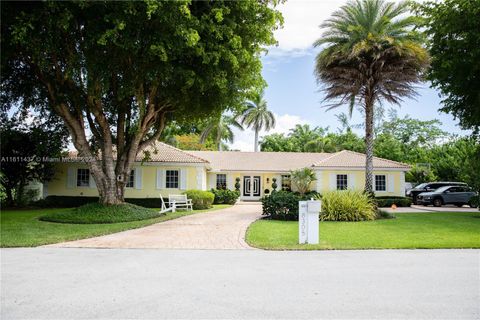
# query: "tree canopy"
120 70
453 30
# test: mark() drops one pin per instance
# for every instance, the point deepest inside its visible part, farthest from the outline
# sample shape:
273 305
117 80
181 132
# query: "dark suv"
457 195
430 186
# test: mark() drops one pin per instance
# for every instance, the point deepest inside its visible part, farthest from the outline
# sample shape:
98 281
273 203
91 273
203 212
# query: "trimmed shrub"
225 196
73 202
200 199
281 205
388 201
97 213
347 205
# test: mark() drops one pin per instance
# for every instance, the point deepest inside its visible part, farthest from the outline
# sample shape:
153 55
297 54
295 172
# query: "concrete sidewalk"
52 283
220 229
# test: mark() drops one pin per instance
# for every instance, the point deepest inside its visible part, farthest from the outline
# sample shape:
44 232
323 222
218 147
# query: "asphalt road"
47 283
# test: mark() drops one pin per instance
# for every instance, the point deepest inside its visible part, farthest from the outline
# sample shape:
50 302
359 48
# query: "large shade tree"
370 54
453 29
115 71
257 116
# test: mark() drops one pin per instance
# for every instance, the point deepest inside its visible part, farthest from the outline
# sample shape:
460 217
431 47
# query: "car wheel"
459 205
437 202
472 204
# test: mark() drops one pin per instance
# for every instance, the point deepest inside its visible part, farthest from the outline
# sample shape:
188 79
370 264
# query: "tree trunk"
369 146
256 140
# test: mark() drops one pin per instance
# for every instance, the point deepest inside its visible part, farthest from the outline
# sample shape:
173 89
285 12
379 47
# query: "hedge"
283 205
74 201
200 199
388 201
225 196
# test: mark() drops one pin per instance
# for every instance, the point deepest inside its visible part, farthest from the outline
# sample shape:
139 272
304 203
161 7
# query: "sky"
292 92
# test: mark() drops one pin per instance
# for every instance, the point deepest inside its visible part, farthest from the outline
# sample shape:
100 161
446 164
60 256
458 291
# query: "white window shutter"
351 181
212 181
91 181
183 179
319 175
160 179
71 178
230 182
333 181
137 174
391 183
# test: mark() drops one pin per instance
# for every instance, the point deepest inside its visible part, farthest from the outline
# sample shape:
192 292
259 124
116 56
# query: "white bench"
176 201
180 201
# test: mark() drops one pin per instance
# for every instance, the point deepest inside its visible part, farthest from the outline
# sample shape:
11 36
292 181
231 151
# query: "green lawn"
21 228
407 231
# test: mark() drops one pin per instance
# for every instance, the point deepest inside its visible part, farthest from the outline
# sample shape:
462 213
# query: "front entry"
251 187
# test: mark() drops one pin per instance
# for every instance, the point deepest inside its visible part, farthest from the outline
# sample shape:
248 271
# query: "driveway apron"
220 229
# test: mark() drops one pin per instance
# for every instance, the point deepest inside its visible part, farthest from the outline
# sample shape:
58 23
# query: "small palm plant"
302 179
371 53
257 116
220 129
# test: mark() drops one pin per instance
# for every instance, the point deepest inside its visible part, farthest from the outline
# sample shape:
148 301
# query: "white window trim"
336 181
128 179
178 178
216 180
76 178
375 183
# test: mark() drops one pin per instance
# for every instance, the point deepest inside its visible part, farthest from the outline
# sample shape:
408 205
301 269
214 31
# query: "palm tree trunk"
256 140
369 145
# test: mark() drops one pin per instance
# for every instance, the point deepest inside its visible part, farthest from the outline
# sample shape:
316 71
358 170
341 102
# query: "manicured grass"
97 213
22 228
407 231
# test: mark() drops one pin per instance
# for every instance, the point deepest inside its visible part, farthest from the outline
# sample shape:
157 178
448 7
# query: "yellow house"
168 170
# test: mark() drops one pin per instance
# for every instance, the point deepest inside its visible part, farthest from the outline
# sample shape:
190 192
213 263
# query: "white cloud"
244 140
302 19
301 25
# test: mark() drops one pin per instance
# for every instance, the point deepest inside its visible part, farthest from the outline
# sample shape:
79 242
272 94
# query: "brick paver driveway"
220 229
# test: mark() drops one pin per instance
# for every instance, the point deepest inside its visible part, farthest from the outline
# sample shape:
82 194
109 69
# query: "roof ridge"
315 164
362 154
180 150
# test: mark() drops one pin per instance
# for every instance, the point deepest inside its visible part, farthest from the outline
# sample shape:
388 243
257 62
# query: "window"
286 183
221 181
342 182
131 179
83 177
171 177
380 182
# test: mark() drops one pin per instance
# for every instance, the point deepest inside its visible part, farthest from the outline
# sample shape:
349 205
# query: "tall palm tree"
257 116
371 54
220 129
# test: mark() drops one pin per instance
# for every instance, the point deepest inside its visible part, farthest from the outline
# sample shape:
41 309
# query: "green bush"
347 205
225 196
282 205
200 199
98 213
73 202
387 201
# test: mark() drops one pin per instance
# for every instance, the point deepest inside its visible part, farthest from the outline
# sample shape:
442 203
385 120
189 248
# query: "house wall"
146 184
197 177
326 180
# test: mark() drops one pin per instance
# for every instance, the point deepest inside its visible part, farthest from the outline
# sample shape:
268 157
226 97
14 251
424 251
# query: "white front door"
251 187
